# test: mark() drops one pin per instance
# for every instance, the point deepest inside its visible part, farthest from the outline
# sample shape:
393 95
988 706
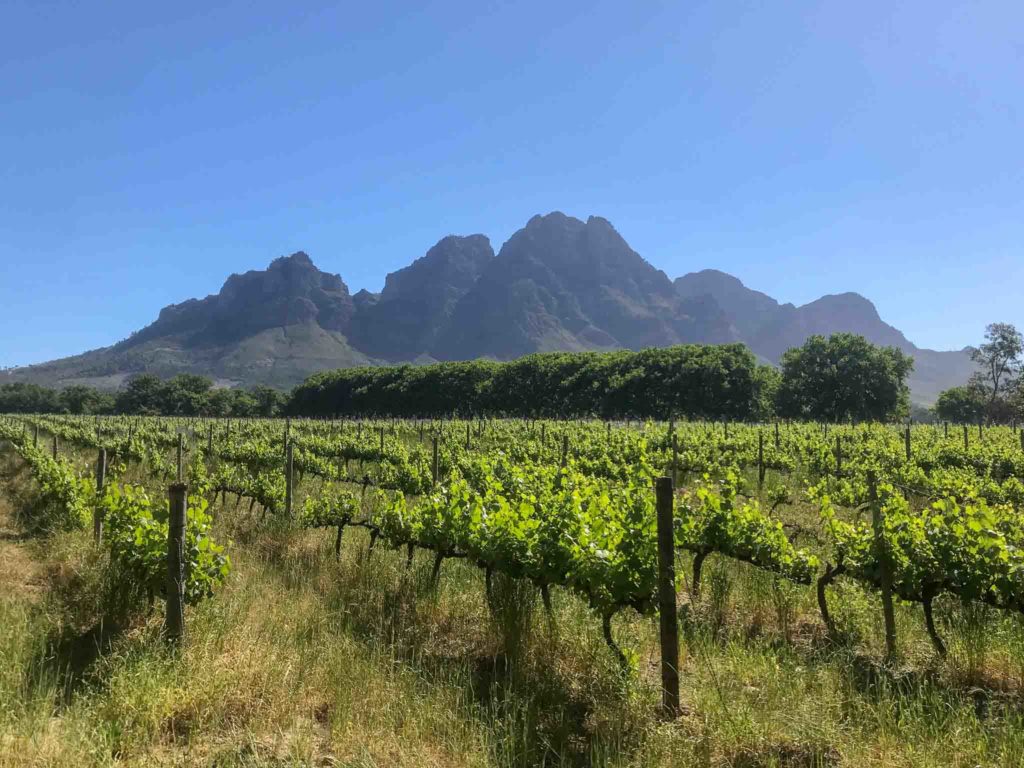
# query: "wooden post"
175 623
565 450
35 435
668 618
543 434
882 552
839 456
675 459
980 427
289 477
760 459
382 441
287 432
945 429
209 440
434 465
101 480
467 436
906 441
1022 439
54 447
967 439
776 435
181 454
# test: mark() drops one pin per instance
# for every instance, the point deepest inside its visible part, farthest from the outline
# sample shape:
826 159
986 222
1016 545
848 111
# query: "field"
485 593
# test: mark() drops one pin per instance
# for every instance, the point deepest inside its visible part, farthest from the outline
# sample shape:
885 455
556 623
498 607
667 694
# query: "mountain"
564 284
417 301
274 326
770 328
559 283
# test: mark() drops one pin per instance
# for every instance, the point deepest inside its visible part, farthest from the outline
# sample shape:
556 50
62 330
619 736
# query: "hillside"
559 283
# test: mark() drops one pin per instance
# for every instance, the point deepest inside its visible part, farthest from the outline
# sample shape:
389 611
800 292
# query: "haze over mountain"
559 283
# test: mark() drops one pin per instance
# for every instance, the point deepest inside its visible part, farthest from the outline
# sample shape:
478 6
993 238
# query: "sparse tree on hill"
999 360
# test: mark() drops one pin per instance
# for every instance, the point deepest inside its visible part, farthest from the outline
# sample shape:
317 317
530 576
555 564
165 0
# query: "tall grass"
305 660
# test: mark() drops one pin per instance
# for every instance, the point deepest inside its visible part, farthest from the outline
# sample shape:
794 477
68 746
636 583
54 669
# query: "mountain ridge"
559 283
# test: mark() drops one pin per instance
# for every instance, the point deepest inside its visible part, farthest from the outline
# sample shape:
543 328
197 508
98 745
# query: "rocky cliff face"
559 283
291 291
417 302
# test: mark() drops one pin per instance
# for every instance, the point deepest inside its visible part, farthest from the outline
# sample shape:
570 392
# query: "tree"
268 401
186 395
844 377
20 397
961 405
999 359
80 399
143 395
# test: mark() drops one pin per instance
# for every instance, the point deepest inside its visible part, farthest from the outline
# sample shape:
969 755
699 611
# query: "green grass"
305 660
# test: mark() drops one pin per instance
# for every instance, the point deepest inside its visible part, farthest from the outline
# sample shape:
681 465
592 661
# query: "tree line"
145 395
839 378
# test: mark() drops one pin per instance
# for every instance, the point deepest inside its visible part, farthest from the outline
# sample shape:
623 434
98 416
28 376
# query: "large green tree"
844 377
961 405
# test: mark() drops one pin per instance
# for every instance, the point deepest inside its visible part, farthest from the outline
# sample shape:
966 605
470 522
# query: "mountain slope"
564 284
559 283
770 328
275 326
417 301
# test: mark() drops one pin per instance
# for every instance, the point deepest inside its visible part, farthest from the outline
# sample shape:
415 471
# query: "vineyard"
884 559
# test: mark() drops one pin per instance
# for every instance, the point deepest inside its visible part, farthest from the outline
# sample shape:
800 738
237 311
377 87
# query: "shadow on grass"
67 656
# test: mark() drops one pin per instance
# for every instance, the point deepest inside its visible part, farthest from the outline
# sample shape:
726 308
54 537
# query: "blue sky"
149 150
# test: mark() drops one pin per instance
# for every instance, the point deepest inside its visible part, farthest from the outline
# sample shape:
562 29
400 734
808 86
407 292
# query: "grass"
306 660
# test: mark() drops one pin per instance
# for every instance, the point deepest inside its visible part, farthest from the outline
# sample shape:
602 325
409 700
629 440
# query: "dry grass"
301 660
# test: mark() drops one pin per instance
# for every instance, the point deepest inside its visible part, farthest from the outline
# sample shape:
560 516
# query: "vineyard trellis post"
433 465
906 442
882 552
181 452
175 620
55 447
967 438
289 477
675 458
667 614
760 459
97 511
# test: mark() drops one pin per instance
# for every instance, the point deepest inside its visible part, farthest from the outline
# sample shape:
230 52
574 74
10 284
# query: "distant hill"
770 328
557 284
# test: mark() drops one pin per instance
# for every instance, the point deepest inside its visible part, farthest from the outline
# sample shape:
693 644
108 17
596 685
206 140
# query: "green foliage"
843 378
136 530
711 381
961 405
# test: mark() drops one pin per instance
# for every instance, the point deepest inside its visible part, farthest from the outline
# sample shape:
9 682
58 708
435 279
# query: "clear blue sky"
150 149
